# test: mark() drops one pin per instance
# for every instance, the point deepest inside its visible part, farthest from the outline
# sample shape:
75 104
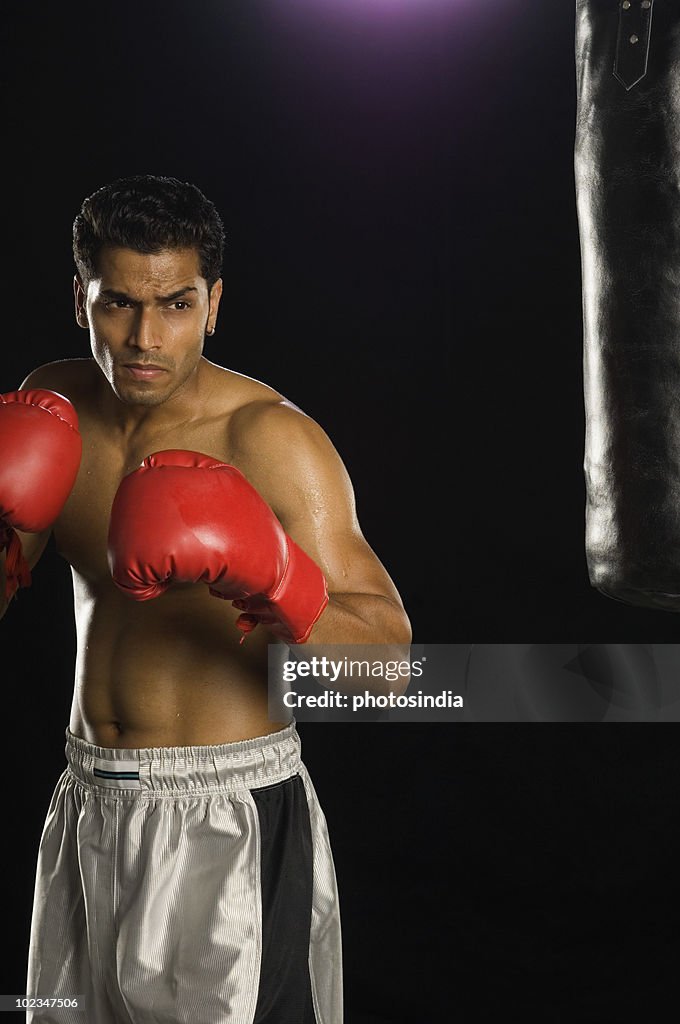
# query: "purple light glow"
368 5
411 8
382 15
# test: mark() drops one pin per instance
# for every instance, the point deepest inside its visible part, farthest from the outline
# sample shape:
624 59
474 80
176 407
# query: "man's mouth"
144 371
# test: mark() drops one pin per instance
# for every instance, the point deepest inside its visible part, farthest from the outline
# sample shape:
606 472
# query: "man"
184 872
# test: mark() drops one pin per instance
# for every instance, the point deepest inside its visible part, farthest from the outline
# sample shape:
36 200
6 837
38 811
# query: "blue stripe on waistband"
114 775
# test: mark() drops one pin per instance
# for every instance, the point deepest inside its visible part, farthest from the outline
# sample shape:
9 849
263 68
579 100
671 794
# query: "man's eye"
117 304
181 304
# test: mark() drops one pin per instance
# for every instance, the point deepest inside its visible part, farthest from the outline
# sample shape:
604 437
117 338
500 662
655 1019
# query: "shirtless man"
185 872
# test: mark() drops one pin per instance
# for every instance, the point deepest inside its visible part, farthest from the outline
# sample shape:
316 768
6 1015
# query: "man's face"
147 314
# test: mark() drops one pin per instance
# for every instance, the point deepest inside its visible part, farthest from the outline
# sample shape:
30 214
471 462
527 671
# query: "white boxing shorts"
186 885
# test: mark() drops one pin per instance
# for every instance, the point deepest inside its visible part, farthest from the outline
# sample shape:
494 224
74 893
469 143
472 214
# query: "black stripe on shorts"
285 993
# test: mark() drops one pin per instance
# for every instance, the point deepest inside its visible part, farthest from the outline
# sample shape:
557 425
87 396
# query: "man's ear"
215 296
79 296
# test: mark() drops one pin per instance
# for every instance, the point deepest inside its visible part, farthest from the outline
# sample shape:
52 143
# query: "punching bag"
627 178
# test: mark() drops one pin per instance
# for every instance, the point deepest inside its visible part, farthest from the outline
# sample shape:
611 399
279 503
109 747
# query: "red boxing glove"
185 517
41 449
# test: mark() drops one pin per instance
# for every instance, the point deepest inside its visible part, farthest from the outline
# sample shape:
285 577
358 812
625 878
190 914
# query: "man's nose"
147 331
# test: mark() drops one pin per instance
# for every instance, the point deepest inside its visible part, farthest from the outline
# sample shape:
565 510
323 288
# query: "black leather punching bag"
627 177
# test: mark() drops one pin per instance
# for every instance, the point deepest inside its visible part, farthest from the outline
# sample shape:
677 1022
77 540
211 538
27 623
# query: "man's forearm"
361 619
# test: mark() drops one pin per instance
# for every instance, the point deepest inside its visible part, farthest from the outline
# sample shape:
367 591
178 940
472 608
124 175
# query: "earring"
210 330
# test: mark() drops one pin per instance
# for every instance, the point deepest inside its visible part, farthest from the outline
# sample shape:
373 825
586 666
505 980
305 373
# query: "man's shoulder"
266 422
268 433
258 412
66 376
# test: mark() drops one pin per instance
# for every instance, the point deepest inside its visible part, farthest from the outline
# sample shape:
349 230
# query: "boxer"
185 871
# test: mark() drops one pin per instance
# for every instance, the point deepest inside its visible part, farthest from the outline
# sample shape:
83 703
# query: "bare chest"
82 529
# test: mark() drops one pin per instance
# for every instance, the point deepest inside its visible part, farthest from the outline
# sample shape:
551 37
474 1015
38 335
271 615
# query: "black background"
396 180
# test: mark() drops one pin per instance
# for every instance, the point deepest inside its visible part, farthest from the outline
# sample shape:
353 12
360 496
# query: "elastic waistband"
245 764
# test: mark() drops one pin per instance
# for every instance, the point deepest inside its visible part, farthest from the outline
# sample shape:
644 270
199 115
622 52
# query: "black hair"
148 213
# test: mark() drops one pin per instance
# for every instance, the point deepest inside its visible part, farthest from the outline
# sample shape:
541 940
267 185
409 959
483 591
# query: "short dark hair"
148 213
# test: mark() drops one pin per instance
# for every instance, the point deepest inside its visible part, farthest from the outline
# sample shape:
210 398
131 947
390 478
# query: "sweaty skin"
170 671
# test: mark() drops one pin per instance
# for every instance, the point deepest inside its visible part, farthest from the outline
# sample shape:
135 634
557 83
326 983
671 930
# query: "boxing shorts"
186 884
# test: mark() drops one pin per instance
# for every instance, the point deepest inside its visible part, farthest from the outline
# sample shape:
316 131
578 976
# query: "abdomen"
165 672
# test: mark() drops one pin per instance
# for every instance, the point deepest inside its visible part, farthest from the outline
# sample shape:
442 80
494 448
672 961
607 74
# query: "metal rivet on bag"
634 39
626 4
646 4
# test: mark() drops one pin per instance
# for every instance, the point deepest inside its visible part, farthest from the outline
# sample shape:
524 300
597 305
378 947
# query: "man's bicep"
320 515
306 483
